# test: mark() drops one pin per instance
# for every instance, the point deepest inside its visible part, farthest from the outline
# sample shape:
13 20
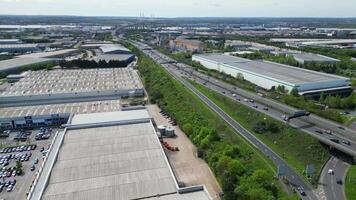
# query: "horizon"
183 8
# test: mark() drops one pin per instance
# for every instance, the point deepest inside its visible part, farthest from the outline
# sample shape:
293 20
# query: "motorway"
331 189
293 177
313 125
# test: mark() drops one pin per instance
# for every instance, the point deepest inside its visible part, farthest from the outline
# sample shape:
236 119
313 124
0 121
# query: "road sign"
310 169
281 170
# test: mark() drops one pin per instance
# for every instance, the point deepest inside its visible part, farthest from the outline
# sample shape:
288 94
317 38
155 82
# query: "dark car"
335 140
319 131
346 142
338 181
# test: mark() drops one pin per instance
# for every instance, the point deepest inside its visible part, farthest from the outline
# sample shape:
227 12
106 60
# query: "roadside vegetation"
350 183
242 172
296 147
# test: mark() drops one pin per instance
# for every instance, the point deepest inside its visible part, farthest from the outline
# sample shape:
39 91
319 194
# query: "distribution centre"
270 75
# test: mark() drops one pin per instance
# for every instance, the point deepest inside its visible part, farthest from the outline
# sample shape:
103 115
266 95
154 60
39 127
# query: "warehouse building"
183 44
114 49
16 63
112 155
51 114
269 75
19 48
38 87
304 58
34 58
10 41
126 58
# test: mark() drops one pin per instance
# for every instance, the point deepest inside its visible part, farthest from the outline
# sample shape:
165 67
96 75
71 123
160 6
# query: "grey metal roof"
108 48
314 57
15 63
113 57
93 118
116 162
283 73
15 46
78 80
75 108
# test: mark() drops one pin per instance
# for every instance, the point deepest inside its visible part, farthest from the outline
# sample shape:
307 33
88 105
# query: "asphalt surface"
331 189
312 125
293 177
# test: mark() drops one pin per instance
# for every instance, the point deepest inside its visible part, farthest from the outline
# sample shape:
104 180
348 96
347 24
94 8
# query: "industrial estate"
164 109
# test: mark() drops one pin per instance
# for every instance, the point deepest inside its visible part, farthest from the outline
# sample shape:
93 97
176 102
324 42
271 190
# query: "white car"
330 171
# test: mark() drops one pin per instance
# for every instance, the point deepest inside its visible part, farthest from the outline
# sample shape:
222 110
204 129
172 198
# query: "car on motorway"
342 128
330 171
328 132
338 180
319 131
301 191
234 95
265 108
335 140
346 142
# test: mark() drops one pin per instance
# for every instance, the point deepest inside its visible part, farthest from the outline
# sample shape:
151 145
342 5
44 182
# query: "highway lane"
301 123
292 176
333 190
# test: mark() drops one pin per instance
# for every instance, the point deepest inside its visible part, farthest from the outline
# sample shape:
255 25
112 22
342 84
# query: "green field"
242 171
350 183
296 147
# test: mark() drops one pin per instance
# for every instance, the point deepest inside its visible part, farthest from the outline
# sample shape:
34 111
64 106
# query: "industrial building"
237 45
34 58
312 42
111 155
16 63
50 114
269 75
10 41
73 85
114 49
182 44
127 58
304 58
19 48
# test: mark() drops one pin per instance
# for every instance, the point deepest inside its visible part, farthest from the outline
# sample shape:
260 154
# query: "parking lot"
188 168
20 160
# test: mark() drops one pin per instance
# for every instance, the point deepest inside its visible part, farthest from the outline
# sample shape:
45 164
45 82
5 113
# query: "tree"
294 92
19 167
240 76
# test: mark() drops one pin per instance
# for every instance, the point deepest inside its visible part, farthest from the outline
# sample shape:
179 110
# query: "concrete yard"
188 168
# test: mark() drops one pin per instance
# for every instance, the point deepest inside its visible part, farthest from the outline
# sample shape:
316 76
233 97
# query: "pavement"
292 176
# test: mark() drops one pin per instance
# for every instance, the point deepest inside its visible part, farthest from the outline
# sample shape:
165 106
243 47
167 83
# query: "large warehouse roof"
33 58
113 57
70 81
279 72
50 54
310 57
112 48
13 64
118 162
49 109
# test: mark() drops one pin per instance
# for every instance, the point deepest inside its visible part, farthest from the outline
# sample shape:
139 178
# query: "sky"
183 8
